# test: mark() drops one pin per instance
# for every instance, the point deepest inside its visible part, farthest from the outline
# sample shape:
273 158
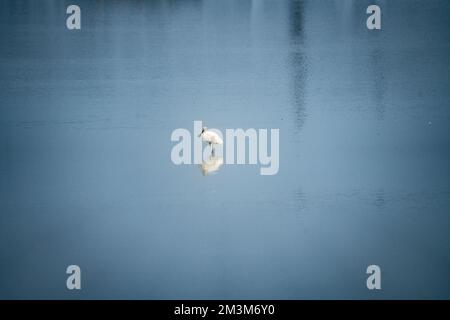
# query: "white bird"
211 137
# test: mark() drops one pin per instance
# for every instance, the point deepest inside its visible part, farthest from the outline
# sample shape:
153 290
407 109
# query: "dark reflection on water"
85 170
297 59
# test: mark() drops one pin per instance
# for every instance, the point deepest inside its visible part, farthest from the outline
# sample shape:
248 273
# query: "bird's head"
203 130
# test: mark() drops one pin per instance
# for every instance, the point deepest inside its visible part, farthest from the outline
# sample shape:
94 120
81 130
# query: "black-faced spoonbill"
211 137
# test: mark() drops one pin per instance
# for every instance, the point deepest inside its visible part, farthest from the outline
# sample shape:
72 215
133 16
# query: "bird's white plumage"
211 137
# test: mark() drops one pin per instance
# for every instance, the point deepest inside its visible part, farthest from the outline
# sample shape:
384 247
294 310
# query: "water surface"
85 170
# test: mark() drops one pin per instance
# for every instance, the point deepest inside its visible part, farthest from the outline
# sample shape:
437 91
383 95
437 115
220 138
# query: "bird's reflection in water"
211 164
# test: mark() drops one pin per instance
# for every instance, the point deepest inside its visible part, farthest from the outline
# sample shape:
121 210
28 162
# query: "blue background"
85 170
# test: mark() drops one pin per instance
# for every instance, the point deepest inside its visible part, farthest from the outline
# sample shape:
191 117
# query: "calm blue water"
85 170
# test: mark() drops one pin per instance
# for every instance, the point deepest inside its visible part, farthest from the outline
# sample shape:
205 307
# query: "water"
85 170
